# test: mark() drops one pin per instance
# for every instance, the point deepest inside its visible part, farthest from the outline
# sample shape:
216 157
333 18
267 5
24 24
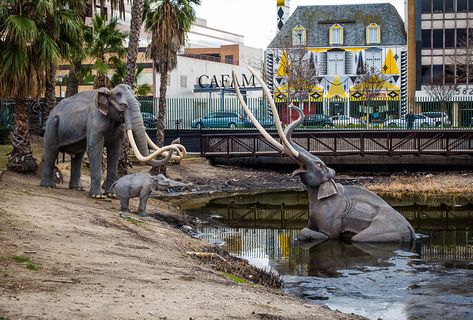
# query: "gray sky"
256 19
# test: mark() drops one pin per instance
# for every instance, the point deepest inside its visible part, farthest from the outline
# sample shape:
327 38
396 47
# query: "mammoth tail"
112 188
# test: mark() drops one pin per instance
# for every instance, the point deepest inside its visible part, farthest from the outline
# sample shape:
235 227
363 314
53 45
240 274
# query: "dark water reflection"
429 279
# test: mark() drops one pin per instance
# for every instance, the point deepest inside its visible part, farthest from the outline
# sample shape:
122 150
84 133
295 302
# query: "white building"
210 55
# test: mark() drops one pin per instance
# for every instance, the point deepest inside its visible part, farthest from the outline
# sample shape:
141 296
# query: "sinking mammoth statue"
92 120
334 209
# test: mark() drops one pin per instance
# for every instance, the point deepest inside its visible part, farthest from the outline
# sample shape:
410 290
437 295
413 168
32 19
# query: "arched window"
373 34
336 35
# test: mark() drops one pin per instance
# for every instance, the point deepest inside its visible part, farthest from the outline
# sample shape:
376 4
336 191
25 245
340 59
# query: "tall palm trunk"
21 158
133 45
102 8
50 90
72 80
163 76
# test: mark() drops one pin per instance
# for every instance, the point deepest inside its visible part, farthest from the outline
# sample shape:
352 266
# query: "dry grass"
448 185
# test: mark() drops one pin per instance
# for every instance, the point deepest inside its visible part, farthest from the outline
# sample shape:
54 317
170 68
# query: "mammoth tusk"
258 126
181 149
140 157
277 121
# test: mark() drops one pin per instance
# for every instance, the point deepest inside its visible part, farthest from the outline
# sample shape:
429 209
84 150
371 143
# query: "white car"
420 121
437 119
343 121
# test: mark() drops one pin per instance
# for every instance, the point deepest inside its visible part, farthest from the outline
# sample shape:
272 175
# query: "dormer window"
299 36
336 35
373 34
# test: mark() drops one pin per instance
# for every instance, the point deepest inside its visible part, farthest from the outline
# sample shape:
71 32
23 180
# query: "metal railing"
330 114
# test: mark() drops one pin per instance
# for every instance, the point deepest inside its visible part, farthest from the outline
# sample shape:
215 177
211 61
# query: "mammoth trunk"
134 121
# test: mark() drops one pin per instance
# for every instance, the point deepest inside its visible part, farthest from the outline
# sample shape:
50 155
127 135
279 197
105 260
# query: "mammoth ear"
327 189
102 100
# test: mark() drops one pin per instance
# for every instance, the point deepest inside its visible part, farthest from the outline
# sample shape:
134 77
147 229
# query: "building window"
437 73
229 58
373 34
437 6
299 36
426 75
336 62
426 39
183 81
426 6
449 5
461 38
449 38
437 38
461 5
470 5
336 34
449 74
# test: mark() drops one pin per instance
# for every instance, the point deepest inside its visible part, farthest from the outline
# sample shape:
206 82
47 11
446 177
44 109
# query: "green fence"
219 113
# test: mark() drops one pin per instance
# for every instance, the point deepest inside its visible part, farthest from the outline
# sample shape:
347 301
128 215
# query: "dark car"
149 120
317 120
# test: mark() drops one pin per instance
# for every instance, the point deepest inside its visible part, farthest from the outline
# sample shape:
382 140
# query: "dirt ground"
64 255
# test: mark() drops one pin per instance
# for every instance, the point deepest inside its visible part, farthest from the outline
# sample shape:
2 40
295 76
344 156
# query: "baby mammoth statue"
142 185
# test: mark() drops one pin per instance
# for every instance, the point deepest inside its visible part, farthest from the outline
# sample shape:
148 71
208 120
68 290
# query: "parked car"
437 119
420 121
317 120
343 121
267 122
149 120
219 120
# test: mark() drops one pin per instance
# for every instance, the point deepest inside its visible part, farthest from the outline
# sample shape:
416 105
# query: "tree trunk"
21 158
161 114
50 90
135 30
102 8
133 45
72 80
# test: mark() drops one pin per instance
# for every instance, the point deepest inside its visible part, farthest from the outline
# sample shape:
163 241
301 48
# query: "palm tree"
168 21
26 50
105 48
65 27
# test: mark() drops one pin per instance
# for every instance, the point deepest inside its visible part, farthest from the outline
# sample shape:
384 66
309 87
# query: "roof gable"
353 18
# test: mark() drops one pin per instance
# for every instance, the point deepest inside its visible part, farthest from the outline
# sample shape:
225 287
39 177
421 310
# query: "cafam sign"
225 81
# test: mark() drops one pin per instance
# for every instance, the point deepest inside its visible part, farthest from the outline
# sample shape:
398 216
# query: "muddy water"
430 279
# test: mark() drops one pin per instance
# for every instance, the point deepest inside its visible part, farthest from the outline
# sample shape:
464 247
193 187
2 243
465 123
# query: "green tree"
26 52
105 48
168 22
65 27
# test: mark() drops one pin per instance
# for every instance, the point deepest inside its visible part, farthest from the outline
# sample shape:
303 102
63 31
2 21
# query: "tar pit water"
429 279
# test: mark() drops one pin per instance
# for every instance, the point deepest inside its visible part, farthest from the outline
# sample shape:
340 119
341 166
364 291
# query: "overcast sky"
256 19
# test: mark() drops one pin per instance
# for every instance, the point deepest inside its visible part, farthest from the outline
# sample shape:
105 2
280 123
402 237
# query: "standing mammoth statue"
92 120
334 209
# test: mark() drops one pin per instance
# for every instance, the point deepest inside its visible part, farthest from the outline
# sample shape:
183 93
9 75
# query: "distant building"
208 59
341 42
438 30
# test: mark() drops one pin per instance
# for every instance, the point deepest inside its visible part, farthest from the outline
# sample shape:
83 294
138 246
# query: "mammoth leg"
50 154
307 234
95 152
124 204
142 206
113 155
381 231
76 166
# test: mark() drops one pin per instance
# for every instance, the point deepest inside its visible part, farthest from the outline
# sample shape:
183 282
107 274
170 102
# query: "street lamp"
59 79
